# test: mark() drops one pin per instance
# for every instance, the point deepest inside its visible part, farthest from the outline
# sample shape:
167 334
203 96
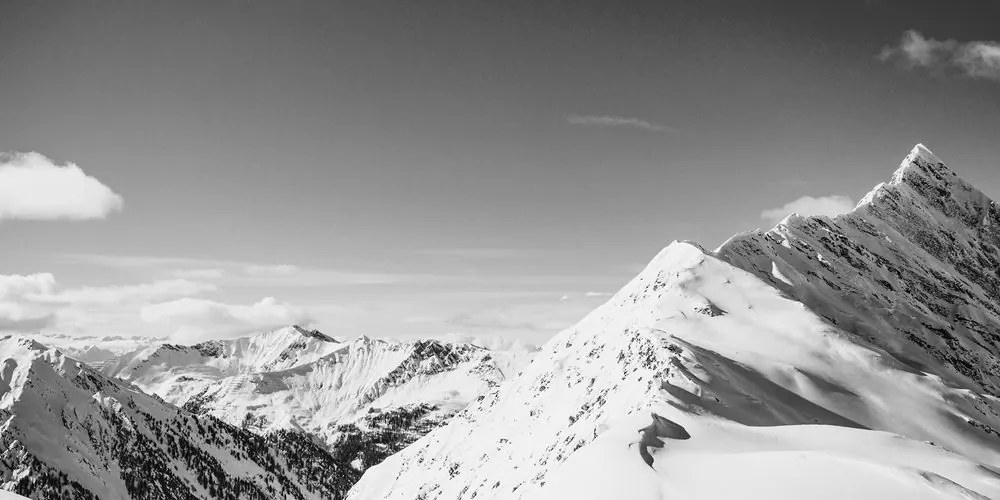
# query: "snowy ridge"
361 377
728 377
364 399
913 270
70 432
93 349
176 372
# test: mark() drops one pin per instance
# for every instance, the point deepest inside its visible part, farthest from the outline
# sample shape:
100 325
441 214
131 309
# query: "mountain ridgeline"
845 357
290 413
70 432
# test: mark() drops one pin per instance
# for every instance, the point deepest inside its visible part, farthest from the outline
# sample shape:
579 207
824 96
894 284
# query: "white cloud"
117 294
807 205
199 273
271 270
493 342
35 301
15 313
243 273
522 320
489 253
32 187
194 320
615 121
16 285
979 59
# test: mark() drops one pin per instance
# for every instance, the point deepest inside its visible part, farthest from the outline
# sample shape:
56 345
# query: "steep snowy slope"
913 270
70 432
365 398
363 377
701 380
176 372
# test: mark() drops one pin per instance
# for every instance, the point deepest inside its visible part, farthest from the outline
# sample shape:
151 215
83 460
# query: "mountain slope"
912 270
70 432
702 380
176 372
93 349
363 377
365 399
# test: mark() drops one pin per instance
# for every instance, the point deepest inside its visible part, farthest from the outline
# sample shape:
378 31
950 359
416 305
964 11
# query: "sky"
201 170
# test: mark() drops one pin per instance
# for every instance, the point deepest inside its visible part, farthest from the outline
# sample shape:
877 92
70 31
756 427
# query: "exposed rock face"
881 325
364 399
913 270
346 386
70 432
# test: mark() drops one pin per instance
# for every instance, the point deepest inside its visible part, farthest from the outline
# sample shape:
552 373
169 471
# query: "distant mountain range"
325 409
70 432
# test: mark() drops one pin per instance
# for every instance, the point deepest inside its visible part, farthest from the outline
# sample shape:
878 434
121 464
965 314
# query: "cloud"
194 320
493 342
807 205
199 273
12 323
117 294
271 270
534 320
244 273
615 121
979 59
16 285
15 313
32 187
486 253
35 301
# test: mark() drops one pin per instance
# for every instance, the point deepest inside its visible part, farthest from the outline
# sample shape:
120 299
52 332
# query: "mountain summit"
912 270
825 358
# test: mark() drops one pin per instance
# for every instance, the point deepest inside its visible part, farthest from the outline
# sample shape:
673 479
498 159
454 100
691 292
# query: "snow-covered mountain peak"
923 166
923 180
175 372
24 342
922 153
312 334
912 270
878 325
676 256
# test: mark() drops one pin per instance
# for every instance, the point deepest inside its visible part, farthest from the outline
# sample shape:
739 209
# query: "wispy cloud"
616 121
35 301
271 270
807 205
977 59
240 273
198 273
488 253
33 187
119 294
194 320
139 261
